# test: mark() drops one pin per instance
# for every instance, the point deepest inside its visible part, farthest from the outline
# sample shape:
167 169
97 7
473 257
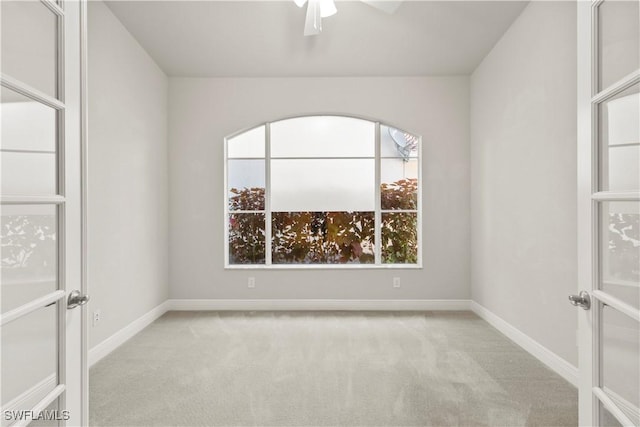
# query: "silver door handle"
76 299
581 300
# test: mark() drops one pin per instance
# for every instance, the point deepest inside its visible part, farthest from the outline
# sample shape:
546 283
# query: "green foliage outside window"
325 237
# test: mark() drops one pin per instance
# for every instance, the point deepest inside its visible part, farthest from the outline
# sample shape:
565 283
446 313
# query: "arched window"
322 190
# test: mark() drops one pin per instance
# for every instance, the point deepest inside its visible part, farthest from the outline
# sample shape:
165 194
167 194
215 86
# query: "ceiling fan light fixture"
300 3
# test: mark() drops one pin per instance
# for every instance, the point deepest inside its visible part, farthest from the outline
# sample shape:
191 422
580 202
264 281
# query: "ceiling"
265 38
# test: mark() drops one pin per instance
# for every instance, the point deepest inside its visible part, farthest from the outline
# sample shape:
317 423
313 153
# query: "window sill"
325 267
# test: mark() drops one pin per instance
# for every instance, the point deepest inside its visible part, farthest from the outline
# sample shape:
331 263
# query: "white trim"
621 85
604 196
31 306
32 200
30 397
324 267
560 366
42 405
116 340
32 93
317 304
630 410
611 406
616 303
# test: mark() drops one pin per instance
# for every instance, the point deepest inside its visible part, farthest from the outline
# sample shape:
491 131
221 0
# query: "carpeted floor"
326 368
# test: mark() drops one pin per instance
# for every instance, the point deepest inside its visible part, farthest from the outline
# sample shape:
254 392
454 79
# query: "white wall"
128 176
203 111
523 177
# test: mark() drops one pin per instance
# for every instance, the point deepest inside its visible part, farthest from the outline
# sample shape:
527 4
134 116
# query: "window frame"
378 211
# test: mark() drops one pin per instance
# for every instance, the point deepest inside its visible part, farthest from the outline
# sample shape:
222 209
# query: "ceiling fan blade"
327 8
388 6
313 21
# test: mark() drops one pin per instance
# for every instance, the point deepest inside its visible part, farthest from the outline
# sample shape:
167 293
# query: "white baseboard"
316 304
116 340
563 368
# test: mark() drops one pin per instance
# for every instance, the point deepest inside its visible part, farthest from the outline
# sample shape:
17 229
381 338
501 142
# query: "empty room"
320 213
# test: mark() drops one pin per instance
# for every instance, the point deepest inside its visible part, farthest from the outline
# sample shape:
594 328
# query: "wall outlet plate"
396 282
251 282
97 315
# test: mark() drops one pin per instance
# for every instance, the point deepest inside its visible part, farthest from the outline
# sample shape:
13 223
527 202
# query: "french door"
609 211
43 353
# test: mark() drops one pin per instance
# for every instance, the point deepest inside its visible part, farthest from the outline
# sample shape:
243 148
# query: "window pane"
247 144
399 184
399 238
619 40
620 141
323 136
316 185
246 184
28 266
29 353
323 237
397 143
29 37
620 356
621 250
246 238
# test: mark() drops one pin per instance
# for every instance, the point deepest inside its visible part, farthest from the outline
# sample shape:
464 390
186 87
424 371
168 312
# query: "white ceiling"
264 38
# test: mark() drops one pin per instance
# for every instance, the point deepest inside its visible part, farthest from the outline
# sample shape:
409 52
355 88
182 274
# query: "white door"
609 211
43 355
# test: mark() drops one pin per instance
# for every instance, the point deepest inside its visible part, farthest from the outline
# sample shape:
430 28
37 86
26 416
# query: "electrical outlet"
251 282
396 282
97 314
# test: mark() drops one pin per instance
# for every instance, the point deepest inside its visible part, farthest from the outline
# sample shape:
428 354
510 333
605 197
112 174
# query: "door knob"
581 300
76 299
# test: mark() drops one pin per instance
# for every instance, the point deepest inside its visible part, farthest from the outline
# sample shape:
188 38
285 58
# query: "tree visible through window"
322 190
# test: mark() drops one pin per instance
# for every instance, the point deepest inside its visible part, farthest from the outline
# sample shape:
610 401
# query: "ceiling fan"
318 9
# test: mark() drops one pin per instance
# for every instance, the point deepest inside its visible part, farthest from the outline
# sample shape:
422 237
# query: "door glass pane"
246 238
323 185
247 144
245 179
323 237
607 419
51 416
621 250
28 264
620 141
399 238
619 358
29 354
397 143
28 173
399 184
27 146
619 40
29 38
323 136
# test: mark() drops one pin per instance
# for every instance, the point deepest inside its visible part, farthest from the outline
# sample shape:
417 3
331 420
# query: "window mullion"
378 215
267 194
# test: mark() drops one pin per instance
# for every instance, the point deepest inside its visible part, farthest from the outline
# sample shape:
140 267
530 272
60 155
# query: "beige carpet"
325 368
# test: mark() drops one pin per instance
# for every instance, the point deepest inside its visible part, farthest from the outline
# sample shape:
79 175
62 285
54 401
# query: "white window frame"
267 205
